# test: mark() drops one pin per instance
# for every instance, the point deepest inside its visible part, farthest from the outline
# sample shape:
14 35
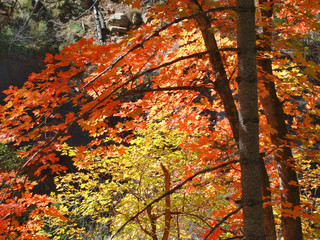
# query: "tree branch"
168 216
177 88
61 132
221 85
222 221
156 34
172 191
142 228
86 11
9 15
193 215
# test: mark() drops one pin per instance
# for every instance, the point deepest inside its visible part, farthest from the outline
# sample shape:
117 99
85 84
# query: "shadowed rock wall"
15 69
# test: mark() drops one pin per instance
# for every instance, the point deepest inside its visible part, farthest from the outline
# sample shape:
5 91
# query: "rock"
146 18
118 29
119 20
115 39
136 19
86 3
15 70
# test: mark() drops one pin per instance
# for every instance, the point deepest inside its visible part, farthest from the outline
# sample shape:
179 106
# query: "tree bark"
167 217
268 217
272 106
223 89
152 219
249 122
253 208
221 84
100 25
291 227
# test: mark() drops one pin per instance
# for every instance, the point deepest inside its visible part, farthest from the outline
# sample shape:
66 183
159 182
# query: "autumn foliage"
152 106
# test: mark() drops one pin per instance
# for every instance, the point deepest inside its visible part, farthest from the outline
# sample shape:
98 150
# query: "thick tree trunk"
292 229
252 200
268 217
223 89
249 122
272 106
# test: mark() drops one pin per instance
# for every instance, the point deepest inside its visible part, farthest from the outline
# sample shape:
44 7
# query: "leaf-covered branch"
84 114
156 34
177 187
222 221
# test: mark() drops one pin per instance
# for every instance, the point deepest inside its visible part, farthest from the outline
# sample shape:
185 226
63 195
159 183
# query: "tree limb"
168 216
156 34
61 132
172 191
9 15
222 221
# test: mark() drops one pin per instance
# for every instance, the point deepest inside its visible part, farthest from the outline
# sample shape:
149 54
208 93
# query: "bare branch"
193 215
236 237
86 11
9 15
25 25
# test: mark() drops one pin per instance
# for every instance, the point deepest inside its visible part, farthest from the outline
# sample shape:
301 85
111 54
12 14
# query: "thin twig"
236 237
194 216
154 34
168 216
26 22
93 4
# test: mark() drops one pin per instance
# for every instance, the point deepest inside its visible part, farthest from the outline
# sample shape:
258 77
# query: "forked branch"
177 187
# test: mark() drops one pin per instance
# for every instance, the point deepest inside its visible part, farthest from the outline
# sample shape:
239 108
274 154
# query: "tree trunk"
221 84
292 229
168 216
268 217
249 122
100 25
223 89
272 106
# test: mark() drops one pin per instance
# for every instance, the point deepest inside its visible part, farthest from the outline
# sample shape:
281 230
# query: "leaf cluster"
114 187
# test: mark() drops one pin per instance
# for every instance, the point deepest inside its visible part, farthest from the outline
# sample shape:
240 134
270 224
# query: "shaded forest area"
30 29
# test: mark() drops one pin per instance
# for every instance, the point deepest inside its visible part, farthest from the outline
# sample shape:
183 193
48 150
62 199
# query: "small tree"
116 186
